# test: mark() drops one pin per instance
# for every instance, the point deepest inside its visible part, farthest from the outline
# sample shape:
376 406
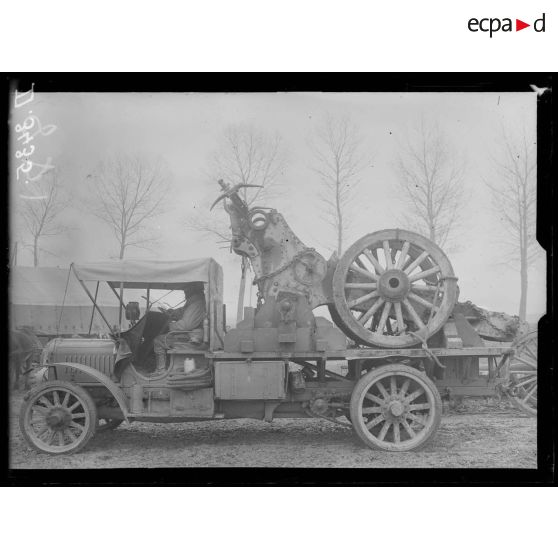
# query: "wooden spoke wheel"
522 386
108 424
58 417
395 408
393 288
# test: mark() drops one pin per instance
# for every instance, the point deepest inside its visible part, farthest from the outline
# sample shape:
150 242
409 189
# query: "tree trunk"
14 255
339 219
523 255
523 299
524 283
36 251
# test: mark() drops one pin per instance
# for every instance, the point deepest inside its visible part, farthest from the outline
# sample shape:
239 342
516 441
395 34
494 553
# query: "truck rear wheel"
58 418
395 408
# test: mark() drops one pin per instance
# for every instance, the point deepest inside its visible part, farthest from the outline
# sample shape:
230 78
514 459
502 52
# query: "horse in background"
24 345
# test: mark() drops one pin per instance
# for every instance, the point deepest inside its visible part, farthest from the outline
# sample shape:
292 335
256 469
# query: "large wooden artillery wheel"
393 288
523 374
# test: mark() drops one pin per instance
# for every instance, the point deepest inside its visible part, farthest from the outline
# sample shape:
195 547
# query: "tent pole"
121 305
89 295
93 301
94 306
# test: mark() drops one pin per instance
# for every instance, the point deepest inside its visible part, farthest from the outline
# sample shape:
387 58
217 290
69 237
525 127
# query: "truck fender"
116 392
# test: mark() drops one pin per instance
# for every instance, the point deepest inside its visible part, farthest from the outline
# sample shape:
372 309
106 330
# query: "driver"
189 319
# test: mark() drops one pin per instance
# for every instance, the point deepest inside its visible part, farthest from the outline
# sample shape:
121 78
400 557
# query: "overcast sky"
185 129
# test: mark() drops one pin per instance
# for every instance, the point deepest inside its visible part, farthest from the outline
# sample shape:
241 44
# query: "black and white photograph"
279 279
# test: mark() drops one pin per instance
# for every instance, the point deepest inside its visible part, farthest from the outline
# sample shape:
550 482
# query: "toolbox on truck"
250 379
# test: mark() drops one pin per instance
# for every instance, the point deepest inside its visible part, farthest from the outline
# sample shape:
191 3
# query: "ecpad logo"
493 25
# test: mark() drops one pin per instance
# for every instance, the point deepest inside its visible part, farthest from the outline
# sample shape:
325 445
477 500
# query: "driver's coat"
193 314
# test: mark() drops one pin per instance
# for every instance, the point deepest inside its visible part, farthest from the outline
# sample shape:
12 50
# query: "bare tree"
41 207
245 155
250 156
430 183
128 192
338 161
514 193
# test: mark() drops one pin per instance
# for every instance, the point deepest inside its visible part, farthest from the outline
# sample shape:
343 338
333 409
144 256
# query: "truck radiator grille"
102 363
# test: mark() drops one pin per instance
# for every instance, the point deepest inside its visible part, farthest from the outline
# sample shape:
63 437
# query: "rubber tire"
90 408
385 371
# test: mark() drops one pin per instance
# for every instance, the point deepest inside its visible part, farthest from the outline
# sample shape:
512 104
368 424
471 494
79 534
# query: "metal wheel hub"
58 418
394 284
396 409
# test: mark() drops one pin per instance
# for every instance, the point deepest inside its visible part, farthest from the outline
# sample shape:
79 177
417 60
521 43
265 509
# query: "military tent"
51 301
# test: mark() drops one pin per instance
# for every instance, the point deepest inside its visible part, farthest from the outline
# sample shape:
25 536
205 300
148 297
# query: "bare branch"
208 227
128 191
513 188
244 155
40 212
338 161
430 183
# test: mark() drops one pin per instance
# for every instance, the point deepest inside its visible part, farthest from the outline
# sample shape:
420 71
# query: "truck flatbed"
364 353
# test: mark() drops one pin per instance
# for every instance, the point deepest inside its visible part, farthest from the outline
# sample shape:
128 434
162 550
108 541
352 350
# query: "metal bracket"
269 407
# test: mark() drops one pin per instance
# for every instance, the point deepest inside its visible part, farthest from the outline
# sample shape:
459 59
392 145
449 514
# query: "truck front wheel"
58 418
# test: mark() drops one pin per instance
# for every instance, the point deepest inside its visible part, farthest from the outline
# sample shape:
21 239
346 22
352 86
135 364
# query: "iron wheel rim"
524 383
394 288
418 416
57 420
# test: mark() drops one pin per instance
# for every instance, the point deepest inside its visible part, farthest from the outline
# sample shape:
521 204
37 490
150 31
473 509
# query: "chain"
295 258
431 315
429 353
260 299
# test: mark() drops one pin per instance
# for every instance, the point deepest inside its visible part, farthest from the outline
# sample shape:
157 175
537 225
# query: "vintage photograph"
289 279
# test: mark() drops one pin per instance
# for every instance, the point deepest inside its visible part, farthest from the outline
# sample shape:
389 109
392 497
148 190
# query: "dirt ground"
477 435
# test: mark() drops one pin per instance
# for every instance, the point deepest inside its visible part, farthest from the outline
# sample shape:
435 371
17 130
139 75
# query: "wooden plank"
369 353
485 390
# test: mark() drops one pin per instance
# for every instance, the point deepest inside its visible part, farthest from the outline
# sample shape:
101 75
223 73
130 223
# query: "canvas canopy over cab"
158 275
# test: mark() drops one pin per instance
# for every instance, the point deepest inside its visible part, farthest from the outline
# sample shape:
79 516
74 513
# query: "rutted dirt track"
480 436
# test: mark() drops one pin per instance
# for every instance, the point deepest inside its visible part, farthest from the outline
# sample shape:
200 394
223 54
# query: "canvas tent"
52 302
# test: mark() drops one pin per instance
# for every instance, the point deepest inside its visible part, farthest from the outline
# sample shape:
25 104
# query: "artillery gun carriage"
392 288
395 331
